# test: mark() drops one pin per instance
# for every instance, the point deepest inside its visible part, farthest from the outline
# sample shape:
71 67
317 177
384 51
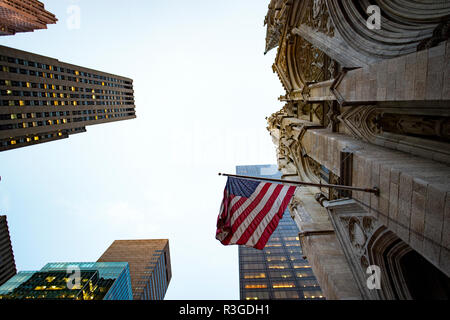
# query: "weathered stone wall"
321 247
414 199
418 76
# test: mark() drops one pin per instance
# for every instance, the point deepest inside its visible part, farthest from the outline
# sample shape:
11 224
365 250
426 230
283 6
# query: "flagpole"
374 190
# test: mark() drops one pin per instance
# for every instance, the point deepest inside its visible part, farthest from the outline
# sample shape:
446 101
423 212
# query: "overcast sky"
202 89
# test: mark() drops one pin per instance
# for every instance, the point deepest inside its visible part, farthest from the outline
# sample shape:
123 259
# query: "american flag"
250 211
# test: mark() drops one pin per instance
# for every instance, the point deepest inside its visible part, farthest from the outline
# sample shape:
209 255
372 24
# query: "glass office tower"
73 281
279 271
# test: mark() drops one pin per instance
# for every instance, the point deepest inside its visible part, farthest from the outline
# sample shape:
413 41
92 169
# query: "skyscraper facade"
279 271
7 263
150 266
72 281
43 99
23 16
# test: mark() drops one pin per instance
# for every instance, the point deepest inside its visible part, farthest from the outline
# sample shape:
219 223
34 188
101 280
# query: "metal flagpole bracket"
374 190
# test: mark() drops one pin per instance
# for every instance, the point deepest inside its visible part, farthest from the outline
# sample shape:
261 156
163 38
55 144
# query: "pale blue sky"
202 88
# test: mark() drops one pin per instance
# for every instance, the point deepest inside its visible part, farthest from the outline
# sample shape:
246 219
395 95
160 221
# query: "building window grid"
282 232
35 67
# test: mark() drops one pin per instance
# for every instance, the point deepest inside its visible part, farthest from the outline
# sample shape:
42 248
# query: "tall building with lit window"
7 263
150 266
279 271
43 99
23 16
71 281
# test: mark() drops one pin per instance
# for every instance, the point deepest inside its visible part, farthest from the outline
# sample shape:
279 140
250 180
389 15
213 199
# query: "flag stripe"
250 203
258 222
247 208
250 212
273 224
247 217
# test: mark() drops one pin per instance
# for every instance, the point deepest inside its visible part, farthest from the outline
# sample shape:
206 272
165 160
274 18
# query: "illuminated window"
292 244
28 85
74 103
304 273
8 82
298 265
21 103
13 116
312 294
256 286
283 285
257 295
28 139
24 125
60 134
254 276
281 274
276 258
9 92
279 266
72 88
50 279
275 244
13 142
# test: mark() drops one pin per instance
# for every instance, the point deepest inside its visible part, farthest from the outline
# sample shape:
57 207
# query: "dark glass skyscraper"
73 281
279 271
7 263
